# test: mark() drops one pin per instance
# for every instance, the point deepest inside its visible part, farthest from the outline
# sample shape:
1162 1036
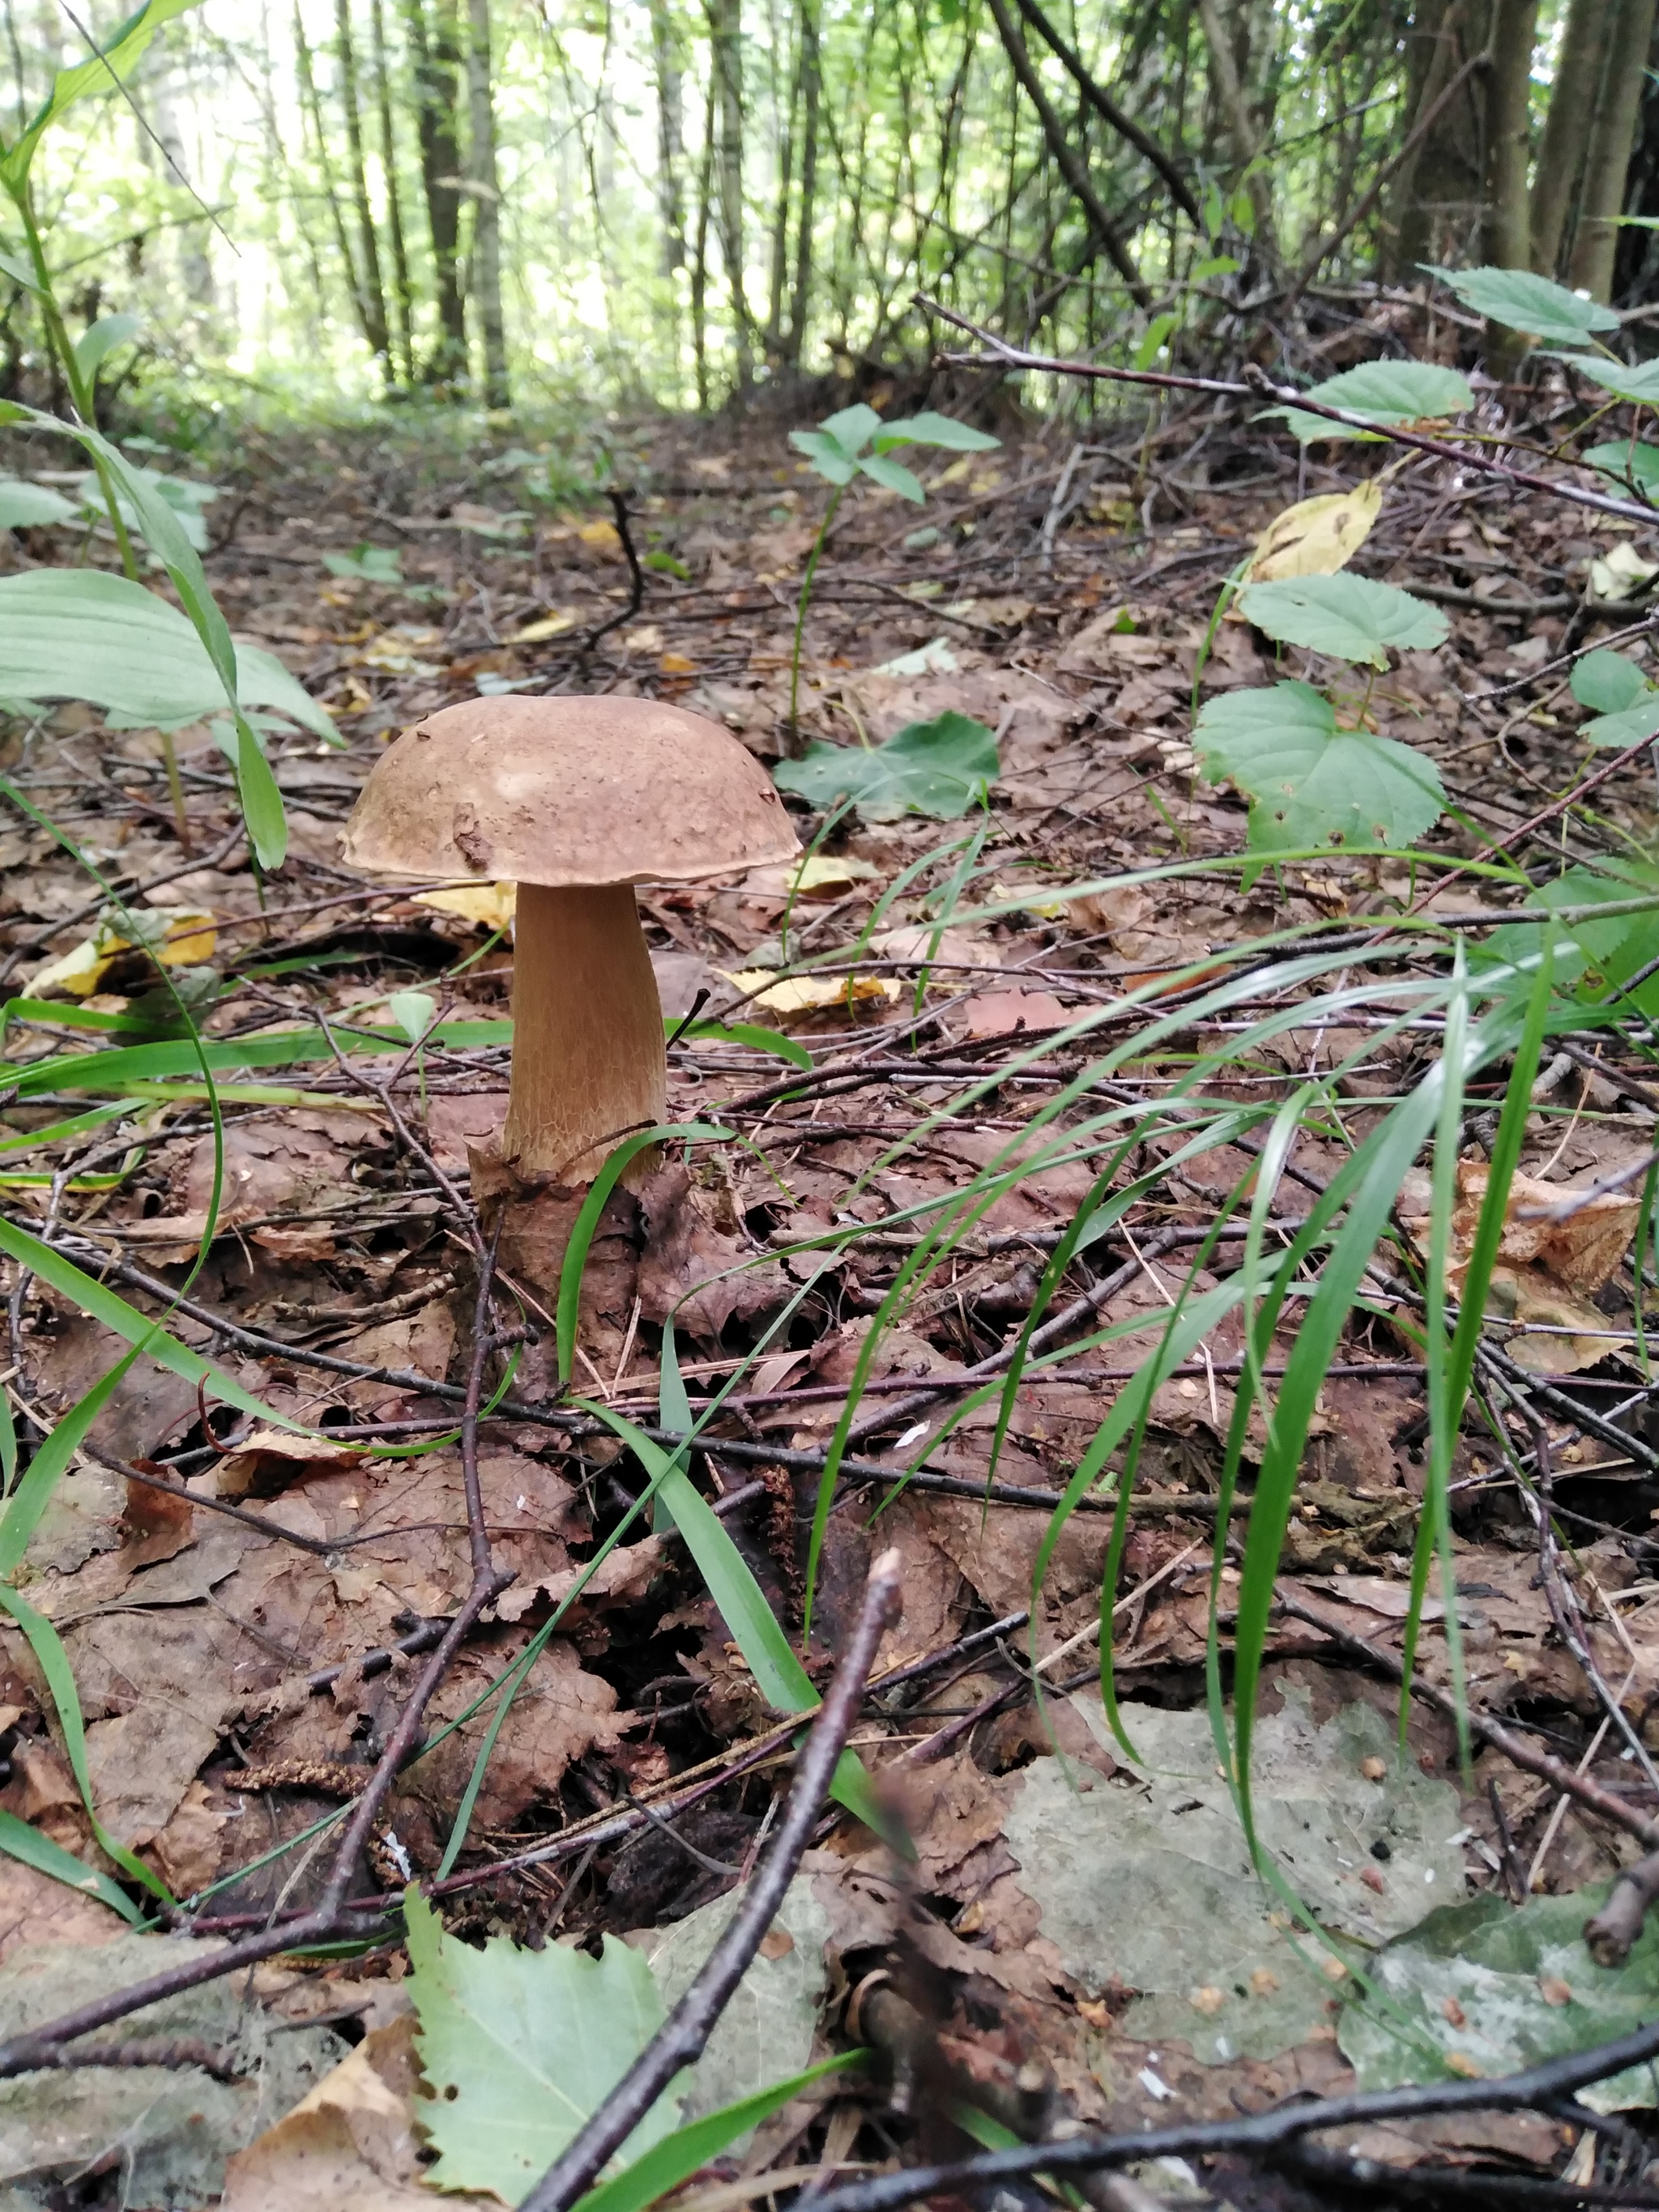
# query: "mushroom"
575 800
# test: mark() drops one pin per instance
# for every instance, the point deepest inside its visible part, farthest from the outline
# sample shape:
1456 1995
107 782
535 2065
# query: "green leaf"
1309 783
1608 682
1152 344
101 340
677 2157
1517 944
852 429
1483 1965
1628 728
81 634
1640 384
940 767
893 475
118 56
1388 390
773 1042
1349 617
521 2048
826 455
369 564
1522 301
1633 467
28 1844
412 1011
941 431
31 506
19 271
143 1064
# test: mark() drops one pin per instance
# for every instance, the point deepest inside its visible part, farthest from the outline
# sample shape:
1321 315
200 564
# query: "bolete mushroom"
575 800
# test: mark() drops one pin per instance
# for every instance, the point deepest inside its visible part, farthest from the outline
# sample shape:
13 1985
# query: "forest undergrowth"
1216 1248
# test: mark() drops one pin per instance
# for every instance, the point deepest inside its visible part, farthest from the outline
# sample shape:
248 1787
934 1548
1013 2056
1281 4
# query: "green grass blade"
677 2157
569 1306
172 1056
21 1842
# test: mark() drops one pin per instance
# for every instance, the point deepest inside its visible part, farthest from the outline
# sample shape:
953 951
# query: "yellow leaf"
647 638
491 905
190 941
1316 536
554 623
820 869
76 973
809 994
602 535
676 664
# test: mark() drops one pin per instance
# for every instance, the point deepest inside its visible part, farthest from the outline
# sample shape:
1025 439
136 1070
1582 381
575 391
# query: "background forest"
673 204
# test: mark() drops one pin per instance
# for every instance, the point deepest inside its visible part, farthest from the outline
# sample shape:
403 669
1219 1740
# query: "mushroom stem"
588 1062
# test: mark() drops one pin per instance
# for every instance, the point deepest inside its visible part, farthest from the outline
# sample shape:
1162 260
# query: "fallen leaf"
676 664
1316 536
809 994
554 623
491 905
602 535
1000 1013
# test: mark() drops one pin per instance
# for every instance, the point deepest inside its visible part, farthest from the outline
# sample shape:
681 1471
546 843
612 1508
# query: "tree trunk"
811 76
1628 33
1070 163
1567 129
1506 240
311 107
1437 206
403 295
780 213
487 207
373 287
436 62
671 137
725 69
1243 131
700 256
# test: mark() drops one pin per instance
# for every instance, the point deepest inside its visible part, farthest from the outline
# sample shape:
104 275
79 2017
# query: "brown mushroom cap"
568 792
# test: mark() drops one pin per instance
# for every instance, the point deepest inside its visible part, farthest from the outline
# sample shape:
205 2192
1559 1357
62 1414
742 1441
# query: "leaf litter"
943 995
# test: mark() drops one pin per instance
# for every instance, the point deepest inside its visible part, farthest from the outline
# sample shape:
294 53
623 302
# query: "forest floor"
1065 1906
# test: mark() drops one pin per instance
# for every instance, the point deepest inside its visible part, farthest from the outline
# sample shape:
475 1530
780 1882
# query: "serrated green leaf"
1389 392
1623 462
1639 383
1349 617
82 633
1522 301
1517 944
942 431
940 767
1608 682
104 335
1628 728
1309 783
893 475
31 506
521 2048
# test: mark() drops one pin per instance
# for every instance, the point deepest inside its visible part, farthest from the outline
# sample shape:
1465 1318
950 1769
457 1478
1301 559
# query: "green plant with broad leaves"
132 499
854 443
940 767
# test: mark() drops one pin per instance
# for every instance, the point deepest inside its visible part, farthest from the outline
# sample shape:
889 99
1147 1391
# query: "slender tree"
485 188
725 67
372 288
403 294
1567 129
811 80
1506 231
436 55
1628 31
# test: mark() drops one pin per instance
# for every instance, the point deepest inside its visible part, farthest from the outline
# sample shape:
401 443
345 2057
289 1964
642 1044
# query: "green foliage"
117 55
521 2048
32 507
1311 783
857 442
1610 682
1639 385
368 564
1522 301
94 347
1349 617
1632 466
1388 390
82 633
940 767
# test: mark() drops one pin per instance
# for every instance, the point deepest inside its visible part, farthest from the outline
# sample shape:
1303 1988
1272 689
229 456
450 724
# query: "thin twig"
679 2042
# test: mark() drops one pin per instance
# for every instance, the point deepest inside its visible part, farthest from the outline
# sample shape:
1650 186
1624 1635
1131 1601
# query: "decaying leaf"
492 906
810 994
1316 536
